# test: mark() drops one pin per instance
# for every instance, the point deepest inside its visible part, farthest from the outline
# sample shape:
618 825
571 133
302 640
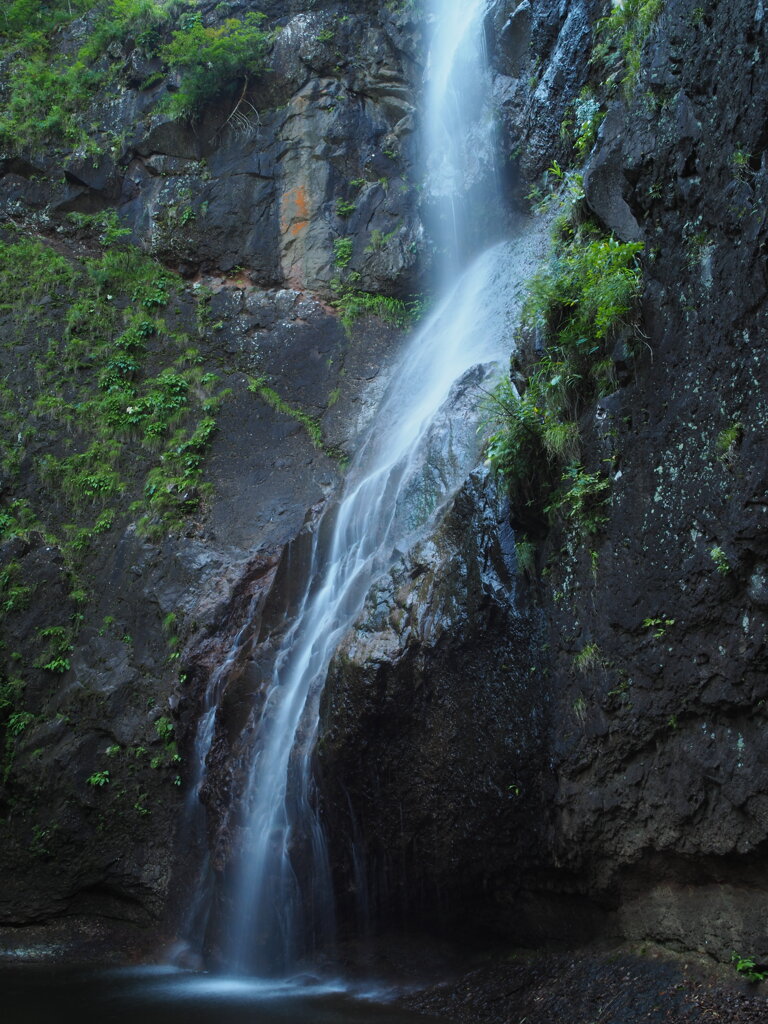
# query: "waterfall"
420 448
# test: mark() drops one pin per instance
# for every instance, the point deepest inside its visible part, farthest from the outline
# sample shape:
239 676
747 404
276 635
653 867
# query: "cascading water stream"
414 459
416 455
459 135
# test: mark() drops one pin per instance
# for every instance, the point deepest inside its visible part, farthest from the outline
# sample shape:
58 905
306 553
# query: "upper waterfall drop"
421 446
459 136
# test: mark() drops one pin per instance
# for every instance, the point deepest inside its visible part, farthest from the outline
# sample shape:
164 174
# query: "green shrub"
139 21
49 93
342 251
576 305
591 282
44 98
517 452
27 17
212 59
621 36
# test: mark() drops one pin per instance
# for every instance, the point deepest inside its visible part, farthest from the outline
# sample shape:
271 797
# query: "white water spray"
420 448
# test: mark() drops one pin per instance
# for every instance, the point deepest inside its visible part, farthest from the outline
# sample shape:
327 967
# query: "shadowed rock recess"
569 750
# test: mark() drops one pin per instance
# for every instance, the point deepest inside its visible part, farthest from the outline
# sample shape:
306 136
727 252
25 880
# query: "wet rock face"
77 847
651 823
433 722
475 766
320 148
658 752
540 52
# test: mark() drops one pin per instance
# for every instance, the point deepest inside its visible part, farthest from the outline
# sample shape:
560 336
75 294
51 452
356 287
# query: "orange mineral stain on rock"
294 211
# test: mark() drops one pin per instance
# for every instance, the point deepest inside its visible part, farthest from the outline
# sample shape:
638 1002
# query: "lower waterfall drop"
415 457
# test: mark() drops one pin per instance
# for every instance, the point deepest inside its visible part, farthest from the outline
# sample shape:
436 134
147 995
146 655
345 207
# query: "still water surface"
54 995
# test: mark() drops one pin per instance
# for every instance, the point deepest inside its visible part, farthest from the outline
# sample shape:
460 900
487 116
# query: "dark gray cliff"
660 760
435 727
492 773
642 813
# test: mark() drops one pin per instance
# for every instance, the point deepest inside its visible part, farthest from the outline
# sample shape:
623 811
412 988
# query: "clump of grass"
621 36
576 304
352 304
589 658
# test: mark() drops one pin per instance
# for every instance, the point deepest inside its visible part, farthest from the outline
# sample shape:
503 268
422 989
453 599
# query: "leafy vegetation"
164 729
344 208
379 240
353 304
748 968
582 499
14 595
621 35
525 555
50 91
720 559
575 306
107 415
659 625
106 409
728 441
98 383
58 645
211 59
259 386
342 250
584 123
98 779
588 659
